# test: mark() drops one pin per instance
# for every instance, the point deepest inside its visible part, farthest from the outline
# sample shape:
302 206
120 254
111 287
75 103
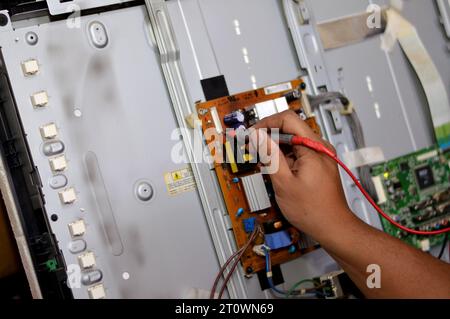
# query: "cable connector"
261 250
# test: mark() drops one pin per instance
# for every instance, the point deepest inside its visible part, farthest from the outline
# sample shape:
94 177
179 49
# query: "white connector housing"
49 131
97 292
68 196
39 99
58 164
77 228
30 67
87 260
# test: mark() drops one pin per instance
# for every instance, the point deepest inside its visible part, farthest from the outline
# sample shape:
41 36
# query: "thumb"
270 155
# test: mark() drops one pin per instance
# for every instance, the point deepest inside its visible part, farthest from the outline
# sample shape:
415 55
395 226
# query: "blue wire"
269 279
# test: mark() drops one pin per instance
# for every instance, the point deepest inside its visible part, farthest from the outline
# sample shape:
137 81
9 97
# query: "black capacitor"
293 96
234 118
239 126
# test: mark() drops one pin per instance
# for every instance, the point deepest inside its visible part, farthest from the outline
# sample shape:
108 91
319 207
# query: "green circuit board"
415 191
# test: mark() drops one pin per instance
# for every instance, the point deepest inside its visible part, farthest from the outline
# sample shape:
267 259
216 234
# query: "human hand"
307 184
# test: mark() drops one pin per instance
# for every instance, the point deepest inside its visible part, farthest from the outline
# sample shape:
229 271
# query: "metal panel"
115 117
272 58
57 7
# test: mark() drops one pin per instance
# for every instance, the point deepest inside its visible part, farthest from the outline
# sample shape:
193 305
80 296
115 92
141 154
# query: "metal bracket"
444 8
310 52
213 205
57 7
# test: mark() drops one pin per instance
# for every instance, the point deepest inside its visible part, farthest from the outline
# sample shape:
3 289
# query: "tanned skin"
309 193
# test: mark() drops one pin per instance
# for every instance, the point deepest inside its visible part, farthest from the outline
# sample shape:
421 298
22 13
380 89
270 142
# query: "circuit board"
415 191
241 183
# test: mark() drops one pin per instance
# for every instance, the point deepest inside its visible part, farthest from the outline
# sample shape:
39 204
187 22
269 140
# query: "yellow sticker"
180 181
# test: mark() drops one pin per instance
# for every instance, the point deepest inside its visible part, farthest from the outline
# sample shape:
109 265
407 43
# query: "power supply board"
247 193
415 191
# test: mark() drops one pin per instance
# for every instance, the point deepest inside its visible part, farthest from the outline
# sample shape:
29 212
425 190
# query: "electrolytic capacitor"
239 127
234 118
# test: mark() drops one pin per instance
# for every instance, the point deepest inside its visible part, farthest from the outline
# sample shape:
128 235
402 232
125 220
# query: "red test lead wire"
320 148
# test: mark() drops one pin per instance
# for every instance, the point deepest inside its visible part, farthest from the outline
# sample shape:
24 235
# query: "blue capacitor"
234 118
292 249
235 180
239 212
249 224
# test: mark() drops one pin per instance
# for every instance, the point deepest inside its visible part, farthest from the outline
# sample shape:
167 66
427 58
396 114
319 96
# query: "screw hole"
77 113
3 20
54 217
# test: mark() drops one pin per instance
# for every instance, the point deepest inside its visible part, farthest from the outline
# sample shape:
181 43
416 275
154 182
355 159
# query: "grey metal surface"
115 118
168 244
57 7
210 45
394 99
444 10
256 192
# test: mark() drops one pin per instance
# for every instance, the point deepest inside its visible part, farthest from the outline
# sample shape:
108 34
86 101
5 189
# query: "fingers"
289 123
273 159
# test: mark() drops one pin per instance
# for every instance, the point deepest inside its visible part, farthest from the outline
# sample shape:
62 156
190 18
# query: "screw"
303 86
249 270
54 217
31 38
144 191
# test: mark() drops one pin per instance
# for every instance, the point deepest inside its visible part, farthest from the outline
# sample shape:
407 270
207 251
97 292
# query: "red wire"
319 147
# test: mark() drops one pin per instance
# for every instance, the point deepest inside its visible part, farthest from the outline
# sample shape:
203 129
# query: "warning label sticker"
180 181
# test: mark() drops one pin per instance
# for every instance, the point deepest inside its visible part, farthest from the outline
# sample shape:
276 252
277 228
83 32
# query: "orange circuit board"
217 115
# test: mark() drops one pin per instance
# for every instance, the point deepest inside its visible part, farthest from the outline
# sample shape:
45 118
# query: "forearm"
405 272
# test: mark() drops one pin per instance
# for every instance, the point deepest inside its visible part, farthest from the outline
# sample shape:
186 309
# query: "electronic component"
337 285
273 226
230 156
256 192
30 67
39 99
278 240
415 191
234 119
97 292
271 107
77 228
68 196
249 224
425 177
87 260
241 196
58 164
49 131
216 120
